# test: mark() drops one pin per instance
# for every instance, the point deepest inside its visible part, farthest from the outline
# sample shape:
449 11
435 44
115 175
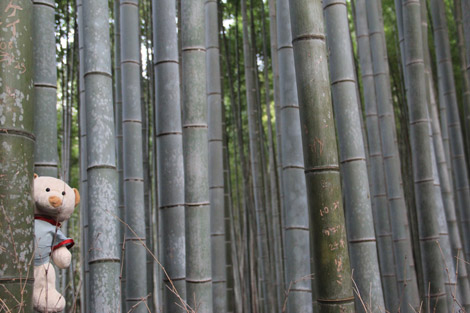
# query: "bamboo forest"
235 156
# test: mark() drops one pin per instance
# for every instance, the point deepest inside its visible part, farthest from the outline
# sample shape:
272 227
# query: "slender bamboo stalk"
85 273
377 175
333 275
405 270
361 234
169 141
463 66
103 246
466 28
276 222
133 175
295 198
216 174
451 242
45 89
118 129
195 151
449 102
255 154
422 150
16 155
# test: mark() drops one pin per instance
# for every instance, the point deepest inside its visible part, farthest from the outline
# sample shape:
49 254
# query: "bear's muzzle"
55 201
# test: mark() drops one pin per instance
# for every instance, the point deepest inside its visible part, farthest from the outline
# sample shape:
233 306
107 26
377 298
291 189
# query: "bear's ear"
35 176
77 196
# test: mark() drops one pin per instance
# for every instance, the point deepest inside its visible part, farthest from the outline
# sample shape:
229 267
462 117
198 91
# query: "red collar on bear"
47 219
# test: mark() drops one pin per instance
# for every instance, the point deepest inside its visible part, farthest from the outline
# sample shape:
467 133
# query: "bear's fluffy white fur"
54 203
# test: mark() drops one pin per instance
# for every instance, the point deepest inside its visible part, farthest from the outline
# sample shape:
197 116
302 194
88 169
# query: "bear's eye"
48 189
63 193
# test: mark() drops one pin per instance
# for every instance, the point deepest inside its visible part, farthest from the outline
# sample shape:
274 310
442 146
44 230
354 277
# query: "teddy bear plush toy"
54 203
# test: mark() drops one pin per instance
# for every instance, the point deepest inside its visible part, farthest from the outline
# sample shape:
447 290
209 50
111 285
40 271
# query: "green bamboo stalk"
449 102
135 251
85 273
405 270
297 232
422 150
377 175
16 155
103 245
45 89
463 66
170 155
195 151
361 234
216 174
332 273
276 222
466 28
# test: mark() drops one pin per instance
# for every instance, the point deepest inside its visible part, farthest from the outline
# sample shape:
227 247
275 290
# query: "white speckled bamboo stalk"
16 156
103 243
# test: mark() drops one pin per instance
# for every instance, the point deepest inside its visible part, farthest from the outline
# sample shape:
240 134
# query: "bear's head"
54 198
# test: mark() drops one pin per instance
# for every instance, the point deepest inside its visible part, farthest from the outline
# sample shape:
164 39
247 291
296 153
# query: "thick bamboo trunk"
16 154
169 140
380 204
358 211
195 151
103 246
332 273
45 89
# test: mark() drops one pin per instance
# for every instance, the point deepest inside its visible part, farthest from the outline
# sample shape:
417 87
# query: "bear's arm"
62 257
